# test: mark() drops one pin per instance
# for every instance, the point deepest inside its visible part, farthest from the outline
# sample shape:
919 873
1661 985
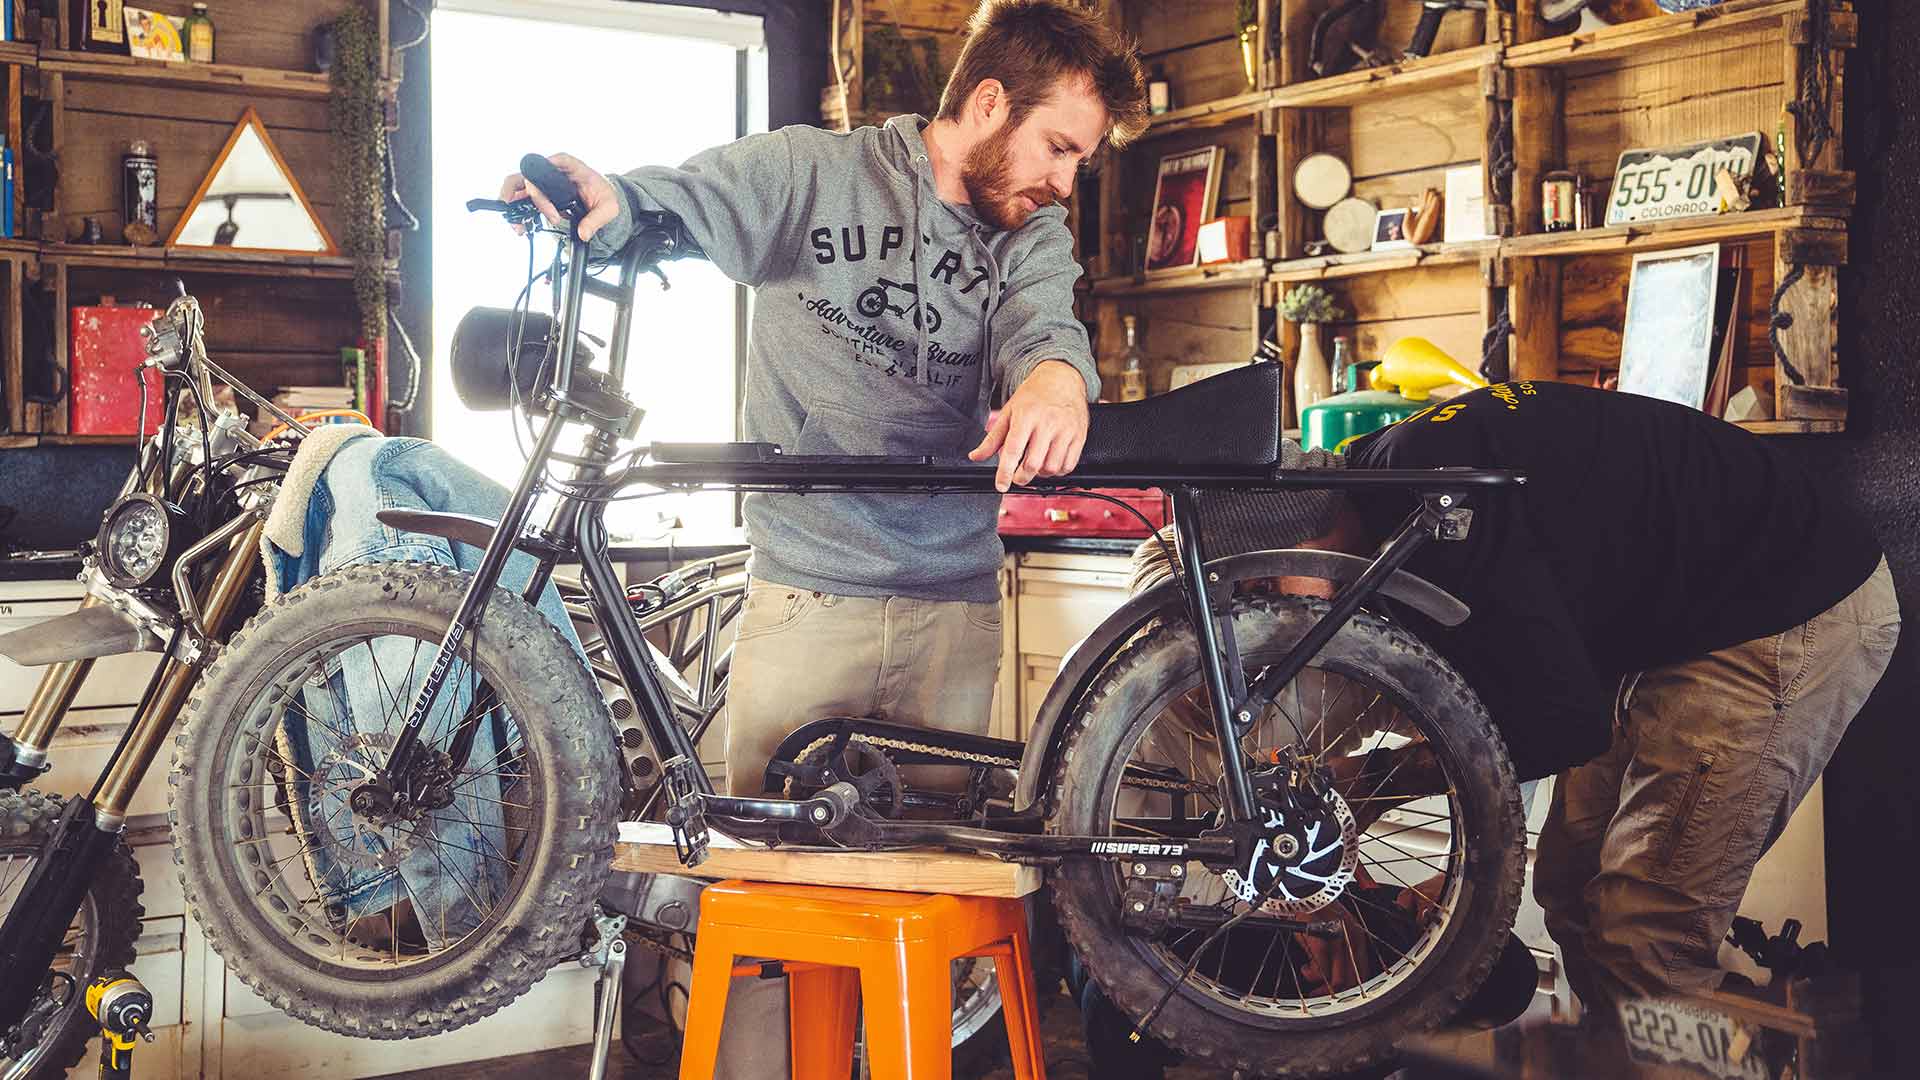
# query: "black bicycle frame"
577 528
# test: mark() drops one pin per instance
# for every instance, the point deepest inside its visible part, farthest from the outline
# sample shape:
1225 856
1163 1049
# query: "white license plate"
1681 1033
1677 181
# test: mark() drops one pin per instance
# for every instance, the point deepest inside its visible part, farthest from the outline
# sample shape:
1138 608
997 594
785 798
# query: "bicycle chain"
969 757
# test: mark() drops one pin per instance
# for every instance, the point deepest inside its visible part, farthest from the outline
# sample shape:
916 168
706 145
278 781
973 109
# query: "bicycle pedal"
685 814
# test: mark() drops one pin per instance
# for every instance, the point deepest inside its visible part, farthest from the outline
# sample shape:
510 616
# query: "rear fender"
1091 655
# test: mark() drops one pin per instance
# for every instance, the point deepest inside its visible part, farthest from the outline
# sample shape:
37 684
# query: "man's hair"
1031 45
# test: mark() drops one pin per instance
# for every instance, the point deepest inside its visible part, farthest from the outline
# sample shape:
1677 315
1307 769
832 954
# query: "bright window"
617 85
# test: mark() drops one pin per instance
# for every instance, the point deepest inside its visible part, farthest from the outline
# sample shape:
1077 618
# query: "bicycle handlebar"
554 184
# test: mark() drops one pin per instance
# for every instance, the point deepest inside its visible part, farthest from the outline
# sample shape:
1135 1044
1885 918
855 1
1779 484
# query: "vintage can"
140 185
1557 199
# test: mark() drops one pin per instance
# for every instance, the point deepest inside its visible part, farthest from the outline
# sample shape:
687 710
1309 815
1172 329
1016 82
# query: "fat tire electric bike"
1280 832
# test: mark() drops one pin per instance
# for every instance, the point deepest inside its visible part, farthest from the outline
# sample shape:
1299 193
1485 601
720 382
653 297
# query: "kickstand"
609 954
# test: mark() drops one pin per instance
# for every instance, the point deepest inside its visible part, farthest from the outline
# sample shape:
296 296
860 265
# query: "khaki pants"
803 655
1647 850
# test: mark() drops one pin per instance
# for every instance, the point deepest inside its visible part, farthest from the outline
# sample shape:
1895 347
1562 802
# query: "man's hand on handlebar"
596 194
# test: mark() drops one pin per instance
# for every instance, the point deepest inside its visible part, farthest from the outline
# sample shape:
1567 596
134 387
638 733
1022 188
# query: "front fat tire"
1097 742
570 741
113 898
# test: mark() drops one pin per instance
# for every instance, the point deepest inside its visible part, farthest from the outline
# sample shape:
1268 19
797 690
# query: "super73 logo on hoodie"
885 312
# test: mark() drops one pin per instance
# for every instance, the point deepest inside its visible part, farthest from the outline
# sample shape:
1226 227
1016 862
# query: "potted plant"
1310 306
1249 19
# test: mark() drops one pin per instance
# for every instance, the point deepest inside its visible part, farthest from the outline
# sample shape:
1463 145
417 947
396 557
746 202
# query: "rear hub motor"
1307 840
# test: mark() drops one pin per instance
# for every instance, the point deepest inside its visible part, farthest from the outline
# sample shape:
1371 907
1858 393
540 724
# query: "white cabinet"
1057 601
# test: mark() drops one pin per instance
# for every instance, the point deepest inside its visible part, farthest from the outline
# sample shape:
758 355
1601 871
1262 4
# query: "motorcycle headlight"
139 537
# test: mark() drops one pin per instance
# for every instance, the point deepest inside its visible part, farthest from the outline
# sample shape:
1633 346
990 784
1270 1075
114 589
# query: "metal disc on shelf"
1349 225
1321 179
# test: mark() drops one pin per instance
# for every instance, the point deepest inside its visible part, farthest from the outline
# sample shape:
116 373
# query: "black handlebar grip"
552 183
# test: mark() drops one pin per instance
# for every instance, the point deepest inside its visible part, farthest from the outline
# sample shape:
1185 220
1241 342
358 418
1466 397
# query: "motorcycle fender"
1087 658
94 631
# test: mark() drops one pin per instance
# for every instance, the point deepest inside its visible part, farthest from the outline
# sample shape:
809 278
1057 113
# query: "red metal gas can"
103 368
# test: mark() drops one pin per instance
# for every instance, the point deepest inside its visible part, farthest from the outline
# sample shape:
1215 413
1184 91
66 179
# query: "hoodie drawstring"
921 282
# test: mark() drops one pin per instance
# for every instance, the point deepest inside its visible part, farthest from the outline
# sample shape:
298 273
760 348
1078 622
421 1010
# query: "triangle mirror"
250 201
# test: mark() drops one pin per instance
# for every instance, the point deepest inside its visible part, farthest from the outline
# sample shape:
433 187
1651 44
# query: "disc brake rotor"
1313 853
356 840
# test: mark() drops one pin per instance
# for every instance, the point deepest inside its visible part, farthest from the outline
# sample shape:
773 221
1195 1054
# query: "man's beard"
987 175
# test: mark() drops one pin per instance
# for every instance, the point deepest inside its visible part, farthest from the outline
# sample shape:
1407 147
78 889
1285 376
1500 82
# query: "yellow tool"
1414 366
123 1005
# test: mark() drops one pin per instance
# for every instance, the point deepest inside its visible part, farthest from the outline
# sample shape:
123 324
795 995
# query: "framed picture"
1466 216
152 35
1667 344
1184 194
1390 229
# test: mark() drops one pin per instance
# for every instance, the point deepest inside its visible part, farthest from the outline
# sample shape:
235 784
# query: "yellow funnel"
1414 366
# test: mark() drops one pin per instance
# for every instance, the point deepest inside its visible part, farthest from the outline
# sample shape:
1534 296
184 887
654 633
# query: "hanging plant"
359 120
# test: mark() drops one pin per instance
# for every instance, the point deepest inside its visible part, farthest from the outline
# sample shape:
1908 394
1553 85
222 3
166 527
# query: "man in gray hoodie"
907 279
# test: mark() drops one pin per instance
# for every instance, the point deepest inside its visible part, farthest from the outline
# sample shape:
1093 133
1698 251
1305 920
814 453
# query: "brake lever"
516 213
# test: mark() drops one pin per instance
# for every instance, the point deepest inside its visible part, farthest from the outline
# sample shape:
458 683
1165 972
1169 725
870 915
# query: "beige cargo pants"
801 655
1647 849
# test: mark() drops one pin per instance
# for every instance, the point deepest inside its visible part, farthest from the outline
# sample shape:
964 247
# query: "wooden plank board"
128 70
188 146
1727 85
1453 289
1644 36
1433 127
647 847
1594 307
1389 80
1458 335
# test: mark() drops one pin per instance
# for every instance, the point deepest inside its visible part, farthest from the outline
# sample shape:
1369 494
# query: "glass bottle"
1133 367
199 35
1344 368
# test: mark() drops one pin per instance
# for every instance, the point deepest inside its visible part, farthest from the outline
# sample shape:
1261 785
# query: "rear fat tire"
569 740
1100 737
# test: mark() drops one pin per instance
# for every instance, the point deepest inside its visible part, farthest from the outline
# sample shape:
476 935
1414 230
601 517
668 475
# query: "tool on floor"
124 1006
609 954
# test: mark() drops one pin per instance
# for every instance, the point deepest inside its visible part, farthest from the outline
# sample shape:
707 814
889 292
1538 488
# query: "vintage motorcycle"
174 567
1281 833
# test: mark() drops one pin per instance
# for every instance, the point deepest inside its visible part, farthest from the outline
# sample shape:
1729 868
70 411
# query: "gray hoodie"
884 322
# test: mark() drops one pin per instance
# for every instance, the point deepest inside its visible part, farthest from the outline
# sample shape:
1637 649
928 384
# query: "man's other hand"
1041 429
596 194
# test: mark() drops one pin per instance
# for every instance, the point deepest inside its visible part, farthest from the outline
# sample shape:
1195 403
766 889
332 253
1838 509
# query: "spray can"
140 185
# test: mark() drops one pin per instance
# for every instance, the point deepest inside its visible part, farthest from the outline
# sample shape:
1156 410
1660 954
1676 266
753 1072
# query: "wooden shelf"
88 440
201 260
1323 267
1658 32
1208 114
1371 84
253 80
23 53
1650 236
1205 277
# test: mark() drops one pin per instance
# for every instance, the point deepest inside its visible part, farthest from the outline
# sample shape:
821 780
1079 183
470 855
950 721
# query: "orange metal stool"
839 947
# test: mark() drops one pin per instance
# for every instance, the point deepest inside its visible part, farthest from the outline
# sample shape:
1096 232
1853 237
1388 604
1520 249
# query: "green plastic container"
1334 422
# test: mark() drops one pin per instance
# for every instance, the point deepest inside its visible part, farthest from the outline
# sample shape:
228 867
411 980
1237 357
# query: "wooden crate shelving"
272 319
1576 101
